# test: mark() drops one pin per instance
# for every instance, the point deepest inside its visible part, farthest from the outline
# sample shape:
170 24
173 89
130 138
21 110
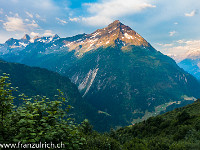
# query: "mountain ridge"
115 33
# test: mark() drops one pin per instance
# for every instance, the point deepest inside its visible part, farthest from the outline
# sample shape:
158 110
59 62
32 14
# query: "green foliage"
182 132
158 143
45 121
6 106
101 142
86 127
135 144
95 140
38 119
183 116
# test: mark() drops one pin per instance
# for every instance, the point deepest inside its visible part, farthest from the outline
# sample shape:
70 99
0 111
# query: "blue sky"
173 26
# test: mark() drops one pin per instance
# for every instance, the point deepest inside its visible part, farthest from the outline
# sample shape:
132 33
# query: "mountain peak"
118 33
116 22
115 34
26 37
117 25
55 36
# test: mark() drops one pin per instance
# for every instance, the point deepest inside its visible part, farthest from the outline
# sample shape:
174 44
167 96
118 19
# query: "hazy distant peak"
56 36
26 37
36 37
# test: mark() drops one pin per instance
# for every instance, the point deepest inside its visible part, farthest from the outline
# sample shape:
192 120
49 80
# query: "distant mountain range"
191 63
115 69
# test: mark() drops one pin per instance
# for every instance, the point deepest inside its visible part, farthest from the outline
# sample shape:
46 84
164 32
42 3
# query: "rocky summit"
115 33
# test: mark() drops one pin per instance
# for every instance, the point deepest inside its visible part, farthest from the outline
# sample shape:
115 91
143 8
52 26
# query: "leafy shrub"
38 119
135 144
101 142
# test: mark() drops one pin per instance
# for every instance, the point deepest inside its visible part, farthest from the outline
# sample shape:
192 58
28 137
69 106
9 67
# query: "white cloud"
16 15
44 4
34 34
97 20
14 24
40 18
176 23
33 24
185 48
60 21
75 19
165 45
1 11
180 41
193 43
106 10
48 33
172 33
191 14
29 14
180 49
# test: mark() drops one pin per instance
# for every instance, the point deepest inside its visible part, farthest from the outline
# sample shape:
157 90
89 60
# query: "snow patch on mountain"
45 39
32 40
95 34
23 44
128 36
